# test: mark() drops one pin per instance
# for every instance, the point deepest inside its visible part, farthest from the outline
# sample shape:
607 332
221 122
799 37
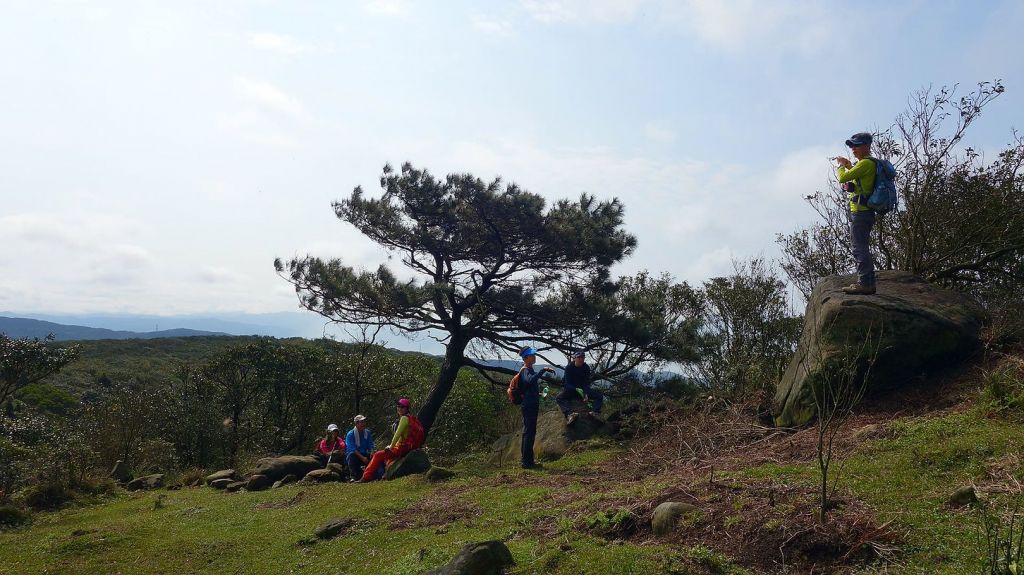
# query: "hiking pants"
529 433
569 396
860 233
355 465
383 456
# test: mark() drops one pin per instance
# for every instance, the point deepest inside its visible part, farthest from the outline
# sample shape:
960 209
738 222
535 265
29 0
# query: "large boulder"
221 483
553 437
911 325
416 461
223 474
154 481
487 558
275 468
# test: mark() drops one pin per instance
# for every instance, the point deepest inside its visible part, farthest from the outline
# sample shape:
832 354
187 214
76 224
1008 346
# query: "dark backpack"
883 196
515 395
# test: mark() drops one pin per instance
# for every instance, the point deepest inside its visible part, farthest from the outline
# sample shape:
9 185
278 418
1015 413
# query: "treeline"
171 405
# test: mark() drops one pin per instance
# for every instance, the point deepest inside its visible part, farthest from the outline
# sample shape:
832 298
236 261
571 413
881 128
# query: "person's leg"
355 465
565 400
529 434
860 235
596 399
376 462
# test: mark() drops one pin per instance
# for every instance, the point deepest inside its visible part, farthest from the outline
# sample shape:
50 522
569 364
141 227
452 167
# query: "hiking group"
363 463
525 390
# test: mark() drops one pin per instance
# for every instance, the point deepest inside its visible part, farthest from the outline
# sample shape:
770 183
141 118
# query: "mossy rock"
909 327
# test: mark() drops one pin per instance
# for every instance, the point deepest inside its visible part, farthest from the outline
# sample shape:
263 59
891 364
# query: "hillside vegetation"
753 489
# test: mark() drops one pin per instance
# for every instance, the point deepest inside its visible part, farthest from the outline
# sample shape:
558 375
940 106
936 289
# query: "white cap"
359 418
331 428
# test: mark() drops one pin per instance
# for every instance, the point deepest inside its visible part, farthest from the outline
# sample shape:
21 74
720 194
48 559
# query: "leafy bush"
11 516
1003 388
1001 539
612 523
46 495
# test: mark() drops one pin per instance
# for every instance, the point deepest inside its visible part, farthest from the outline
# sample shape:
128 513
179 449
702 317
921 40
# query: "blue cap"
859 139
527 352
579 353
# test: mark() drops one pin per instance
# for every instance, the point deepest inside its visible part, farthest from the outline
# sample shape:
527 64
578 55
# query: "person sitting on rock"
409 435
576 387
331 447
358 447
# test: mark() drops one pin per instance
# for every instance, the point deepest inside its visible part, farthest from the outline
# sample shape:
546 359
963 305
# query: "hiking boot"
859 289
533 466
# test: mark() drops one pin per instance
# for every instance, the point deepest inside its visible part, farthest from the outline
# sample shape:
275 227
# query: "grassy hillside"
753 487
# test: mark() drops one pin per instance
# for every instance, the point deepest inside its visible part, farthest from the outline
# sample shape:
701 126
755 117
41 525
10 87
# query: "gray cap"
359 418
859 139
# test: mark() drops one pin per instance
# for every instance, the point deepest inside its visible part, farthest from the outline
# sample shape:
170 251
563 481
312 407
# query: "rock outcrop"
553 437
416 461
909 326
666 516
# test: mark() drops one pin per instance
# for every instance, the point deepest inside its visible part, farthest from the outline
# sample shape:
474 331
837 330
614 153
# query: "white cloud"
220 275
748 24
271 98
388 7
279 43
659 133
491 26
581 11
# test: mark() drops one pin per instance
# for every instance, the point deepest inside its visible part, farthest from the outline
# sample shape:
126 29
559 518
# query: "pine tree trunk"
453 358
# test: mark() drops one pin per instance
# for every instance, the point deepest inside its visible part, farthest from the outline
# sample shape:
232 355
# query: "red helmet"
404 403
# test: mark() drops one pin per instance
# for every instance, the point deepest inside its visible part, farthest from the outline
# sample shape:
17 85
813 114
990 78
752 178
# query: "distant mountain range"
19 327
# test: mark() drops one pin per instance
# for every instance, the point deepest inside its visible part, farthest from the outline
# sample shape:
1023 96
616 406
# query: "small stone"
234 486
257 483
222 474
221 483
334 528
154 481
667 515
964 496
487 558
438 474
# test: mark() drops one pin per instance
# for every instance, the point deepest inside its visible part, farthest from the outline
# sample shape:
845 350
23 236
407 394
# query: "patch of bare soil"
439 509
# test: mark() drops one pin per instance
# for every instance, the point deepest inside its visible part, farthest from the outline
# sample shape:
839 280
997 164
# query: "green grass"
906 478
909 477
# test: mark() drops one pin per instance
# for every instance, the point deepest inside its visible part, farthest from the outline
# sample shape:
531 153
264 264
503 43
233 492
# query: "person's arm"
400 433
862 169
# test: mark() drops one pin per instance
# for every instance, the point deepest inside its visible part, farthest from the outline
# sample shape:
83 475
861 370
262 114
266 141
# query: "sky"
155 157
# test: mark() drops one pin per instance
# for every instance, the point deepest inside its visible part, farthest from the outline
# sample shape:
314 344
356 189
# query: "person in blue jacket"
358 447
529 383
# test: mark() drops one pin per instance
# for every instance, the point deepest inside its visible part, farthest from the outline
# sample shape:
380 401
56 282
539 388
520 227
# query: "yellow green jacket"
862 174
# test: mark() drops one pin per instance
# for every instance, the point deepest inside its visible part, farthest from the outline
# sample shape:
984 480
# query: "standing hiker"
409 435
529 385
332 446
358 447
858 180
576 386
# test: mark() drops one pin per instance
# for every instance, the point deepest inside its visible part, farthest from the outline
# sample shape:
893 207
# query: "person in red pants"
408 436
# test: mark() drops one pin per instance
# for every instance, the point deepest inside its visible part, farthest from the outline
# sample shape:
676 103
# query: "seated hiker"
358 447
409 435
331 447
576 382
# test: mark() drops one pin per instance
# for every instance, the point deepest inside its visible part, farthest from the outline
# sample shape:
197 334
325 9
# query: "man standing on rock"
576 387
529 384
859 180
